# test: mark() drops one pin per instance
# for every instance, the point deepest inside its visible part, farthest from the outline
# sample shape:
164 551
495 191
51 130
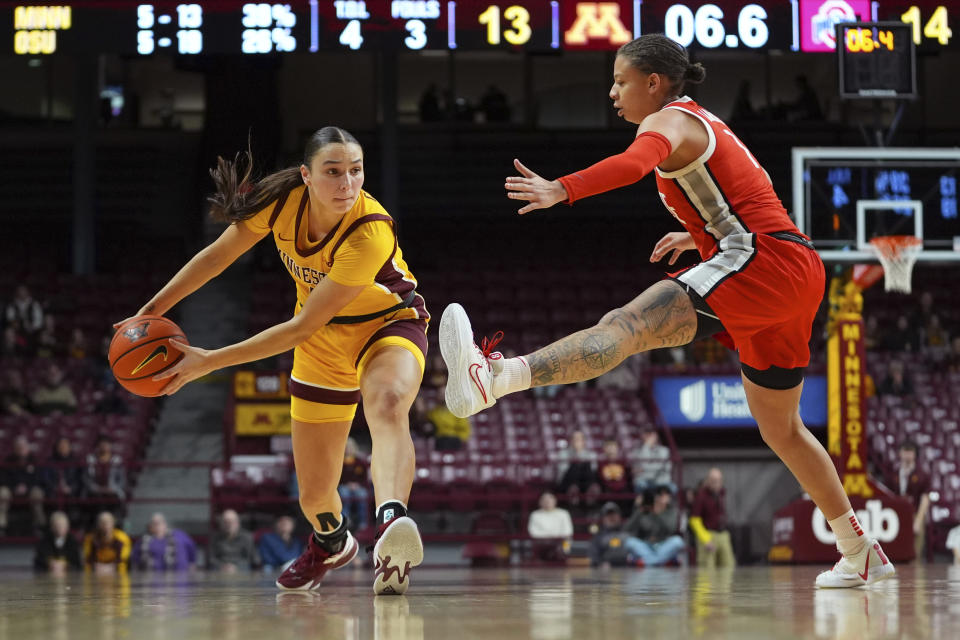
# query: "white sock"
512 377
850 538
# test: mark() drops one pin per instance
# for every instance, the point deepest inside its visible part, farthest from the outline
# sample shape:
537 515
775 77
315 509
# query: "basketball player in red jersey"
358 330
759 285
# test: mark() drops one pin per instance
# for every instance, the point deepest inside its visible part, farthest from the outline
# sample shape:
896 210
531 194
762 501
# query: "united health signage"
719 401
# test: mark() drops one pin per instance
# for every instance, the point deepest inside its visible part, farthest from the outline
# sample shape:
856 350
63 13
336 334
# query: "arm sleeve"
362 255
567 525
696 523
647 151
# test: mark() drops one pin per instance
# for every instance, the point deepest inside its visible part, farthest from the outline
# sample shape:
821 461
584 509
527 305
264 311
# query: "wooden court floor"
492 604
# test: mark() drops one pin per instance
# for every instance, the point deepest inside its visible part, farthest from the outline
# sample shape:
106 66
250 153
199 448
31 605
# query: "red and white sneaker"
308 570
470 369
398 549
869 566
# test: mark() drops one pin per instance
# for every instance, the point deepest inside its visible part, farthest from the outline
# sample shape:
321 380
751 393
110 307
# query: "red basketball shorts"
766 292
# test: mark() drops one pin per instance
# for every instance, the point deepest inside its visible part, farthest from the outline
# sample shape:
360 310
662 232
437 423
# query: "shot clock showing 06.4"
863 39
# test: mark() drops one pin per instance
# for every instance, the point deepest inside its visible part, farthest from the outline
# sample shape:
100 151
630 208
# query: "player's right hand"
541 193
675 241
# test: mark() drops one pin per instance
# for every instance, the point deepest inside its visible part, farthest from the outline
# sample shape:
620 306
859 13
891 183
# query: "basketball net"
897 254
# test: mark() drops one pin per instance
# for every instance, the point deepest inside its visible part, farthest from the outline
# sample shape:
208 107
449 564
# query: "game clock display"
876 60
258 28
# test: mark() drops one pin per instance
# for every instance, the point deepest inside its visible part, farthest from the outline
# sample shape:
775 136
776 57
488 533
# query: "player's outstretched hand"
529 186
194 364
677 242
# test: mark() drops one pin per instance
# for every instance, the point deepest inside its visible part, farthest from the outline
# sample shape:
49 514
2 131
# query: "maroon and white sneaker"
398 549
308 570
866 567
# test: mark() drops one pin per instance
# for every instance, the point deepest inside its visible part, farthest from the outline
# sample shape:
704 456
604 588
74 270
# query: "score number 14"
519 19
937 27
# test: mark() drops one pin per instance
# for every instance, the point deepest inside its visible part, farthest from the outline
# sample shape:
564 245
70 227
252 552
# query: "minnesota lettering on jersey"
309 277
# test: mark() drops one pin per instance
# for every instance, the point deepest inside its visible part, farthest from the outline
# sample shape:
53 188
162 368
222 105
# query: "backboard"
843 196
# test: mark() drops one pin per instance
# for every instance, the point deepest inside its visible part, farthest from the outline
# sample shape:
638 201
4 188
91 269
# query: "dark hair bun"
695 73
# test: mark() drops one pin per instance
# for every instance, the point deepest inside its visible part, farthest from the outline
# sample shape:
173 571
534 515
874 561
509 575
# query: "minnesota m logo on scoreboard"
597 21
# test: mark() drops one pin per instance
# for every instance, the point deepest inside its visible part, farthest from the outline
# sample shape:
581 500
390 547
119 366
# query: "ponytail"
239 197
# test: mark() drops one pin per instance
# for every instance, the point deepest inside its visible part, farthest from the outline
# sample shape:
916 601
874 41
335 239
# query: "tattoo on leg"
582 356
661 316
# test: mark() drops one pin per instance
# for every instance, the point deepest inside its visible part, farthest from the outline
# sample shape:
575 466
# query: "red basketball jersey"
724 192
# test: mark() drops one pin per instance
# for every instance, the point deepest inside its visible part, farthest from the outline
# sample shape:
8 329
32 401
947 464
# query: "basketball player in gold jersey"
358 330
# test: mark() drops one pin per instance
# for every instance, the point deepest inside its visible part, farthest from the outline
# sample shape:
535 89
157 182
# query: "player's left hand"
541 193
194 364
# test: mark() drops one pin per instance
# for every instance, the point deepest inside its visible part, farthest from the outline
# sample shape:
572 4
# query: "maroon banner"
801 533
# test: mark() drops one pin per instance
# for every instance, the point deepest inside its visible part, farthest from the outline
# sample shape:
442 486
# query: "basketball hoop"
897 254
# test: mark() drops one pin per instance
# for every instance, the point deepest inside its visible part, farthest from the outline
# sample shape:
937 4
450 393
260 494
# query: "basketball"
141 349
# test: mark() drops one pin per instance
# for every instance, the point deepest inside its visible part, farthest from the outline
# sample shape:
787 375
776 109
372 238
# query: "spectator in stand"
13 398
111 400
46 343
164 549
106 549
654 523
24 313
873 336
613 546
63 473
613 471
897 383
951 362
652 467
78 348
576 470
436 374
54 395
914 484
551 528
922 310
20 478
232 548
450 432
353 486
953 543
708 519
14 344
278 548
936 341
105 476
57 551
495 105
905 338
419 424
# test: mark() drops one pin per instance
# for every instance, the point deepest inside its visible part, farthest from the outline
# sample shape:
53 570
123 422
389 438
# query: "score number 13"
519 19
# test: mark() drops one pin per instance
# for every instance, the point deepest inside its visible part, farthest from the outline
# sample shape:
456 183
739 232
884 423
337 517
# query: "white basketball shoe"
869 566
470 369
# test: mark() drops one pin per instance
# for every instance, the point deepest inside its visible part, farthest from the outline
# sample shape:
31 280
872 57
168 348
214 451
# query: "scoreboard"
257 28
